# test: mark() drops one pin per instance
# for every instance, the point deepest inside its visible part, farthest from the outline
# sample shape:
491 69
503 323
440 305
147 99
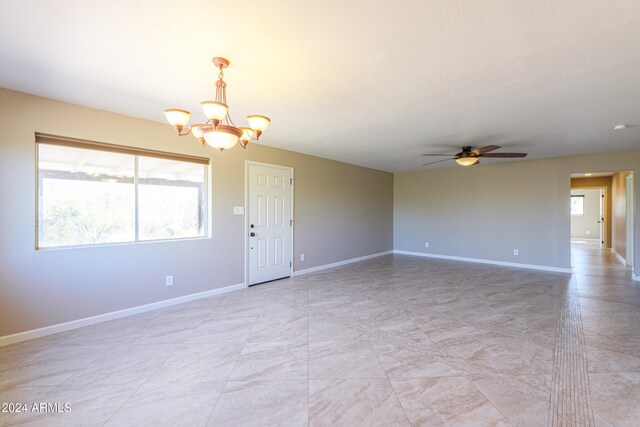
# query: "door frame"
602 226
247 164
630 217
604 200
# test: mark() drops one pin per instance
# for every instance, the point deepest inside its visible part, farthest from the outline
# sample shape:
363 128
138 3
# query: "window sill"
103 245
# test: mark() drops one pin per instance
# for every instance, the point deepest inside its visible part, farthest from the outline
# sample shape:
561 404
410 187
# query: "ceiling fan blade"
447 155
485 149
504 155
439 161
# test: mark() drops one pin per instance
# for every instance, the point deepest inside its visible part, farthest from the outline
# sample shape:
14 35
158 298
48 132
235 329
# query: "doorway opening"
602 220
630 219
588 216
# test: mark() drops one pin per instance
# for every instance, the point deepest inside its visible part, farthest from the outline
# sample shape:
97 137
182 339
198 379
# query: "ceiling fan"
471 156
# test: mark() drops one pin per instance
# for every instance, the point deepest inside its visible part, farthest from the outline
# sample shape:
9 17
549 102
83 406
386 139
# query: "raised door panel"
262 253
278 214
262 207
278 251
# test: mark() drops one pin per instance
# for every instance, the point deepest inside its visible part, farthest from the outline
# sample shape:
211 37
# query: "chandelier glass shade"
258 123
177 118
219 131
223 137
214 110
246 136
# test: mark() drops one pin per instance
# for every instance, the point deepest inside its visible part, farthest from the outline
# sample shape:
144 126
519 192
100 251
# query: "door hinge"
290 181
290 264
290 223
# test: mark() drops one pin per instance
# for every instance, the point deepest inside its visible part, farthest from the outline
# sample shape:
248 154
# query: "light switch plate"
238 210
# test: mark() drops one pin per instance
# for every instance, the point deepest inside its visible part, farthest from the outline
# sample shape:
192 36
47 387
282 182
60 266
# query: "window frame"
44 139
580 197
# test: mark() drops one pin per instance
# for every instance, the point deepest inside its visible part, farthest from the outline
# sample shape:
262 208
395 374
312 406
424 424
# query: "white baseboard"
487 261
79 323
619 257
339 263
584 239
635 277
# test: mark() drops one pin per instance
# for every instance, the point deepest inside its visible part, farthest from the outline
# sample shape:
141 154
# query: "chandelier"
219 131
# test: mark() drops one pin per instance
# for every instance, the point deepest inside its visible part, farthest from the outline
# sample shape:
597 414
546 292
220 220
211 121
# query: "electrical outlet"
426 244
516 252
168 281
301 257
588 232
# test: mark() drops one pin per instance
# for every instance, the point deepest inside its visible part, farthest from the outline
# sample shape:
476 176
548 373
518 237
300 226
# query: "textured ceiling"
368 82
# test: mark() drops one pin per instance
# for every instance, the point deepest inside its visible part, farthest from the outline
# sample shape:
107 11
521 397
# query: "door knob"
252 234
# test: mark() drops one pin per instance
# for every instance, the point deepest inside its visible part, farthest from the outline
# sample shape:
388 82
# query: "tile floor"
396 340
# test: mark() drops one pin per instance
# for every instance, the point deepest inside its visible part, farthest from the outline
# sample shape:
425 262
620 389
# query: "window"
577 205
91 194
170 199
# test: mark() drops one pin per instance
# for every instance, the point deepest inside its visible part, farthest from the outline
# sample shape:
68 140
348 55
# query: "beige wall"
486 212
620 214
599 181
341 212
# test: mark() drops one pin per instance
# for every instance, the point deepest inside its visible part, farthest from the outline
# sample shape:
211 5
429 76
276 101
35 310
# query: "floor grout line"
570 402
135 391
389 380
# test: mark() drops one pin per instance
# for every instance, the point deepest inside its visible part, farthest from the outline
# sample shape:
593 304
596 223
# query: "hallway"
609 305
588 259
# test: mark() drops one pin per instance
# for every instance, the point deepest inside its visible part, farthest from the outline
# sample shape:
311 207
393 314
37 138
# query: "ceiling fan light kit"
470 156
218 131
467 161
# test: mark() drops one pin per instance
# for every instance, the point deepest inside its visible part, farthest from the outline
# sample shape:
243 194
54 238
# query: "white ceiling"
369 82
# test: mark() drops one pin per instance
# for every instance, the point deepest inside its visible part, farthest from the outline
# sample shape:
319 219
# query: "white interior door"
601 219
630 222
270 222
